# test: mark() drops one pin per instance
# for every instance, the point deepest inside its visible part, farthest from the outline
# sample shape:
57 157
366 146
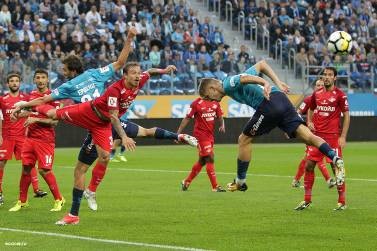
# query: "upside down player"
39 145
273 109
204 112
327 104
302 110
12 133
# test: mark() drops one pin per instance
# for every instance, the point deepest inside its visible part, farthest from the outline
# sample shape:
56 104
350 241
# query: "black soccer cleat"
40 194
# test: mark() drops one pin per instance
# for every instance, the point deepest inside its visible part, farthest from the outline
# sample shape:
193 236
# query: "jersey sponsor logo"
112 101
208 114
86 89
325 108
104 69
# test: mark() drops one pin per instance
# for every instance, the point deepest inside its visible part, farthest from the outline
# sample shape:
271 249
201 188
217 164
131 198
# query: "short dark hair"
129 65
74 63
204 82
333 69
13 74
40 71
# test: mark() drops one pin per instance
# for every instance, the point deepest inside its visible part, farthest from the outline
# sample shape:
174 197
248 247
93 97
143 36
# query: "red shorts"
34 150
83 116
314 154
205 148
11 146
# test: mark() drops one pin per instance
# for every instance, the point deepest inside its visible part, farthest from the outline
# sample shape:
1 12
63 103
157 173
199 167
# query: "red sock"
34 179
24 186
195 170
300 170
308 185
210 167
51 182
324 171
43 109
1 179
98 173
342 193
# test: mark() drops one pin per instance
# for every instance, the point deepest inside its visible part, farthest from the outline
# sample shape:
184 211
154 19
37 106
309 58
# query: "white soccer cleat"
185 138
91 198
340 172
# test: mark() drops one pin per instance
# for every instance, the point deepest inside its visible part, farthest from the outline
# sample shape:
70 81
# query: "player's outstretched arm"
265 68
183 125
127 142
169 69
309 118
43 121
35 102
251 79
222 124
122 59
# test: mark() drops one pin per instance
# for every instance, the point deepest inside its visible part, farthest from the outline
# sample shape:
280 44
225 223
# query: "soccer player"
39 146
204 111
273 109
12 134
326 106
302 110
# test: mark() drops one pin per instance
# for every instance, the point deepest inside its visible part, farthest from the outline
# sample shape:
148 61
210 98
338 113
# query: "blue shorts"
88 153
276 112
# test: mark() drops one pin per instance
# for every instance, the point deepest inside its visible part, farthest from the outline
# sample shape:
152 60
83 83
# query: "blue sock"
76 201
122 150
112 153
242 167
164 134
327 150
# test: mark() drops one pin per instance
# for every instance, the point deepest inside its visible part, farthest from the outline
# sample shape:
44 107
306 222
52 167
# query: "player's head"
14 82
329 76
131 73
318 84
211 89
72 66
41 79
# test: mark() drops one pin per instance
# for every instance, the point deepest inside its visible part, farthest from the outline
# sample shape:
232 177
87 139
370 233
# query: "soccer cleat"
184 185
295 183
340 207
91 198
114 160
340 172
303 205
1 199
69 219
185 138
40 194
122 158
58 205
18 206
218 189
234 186
331 183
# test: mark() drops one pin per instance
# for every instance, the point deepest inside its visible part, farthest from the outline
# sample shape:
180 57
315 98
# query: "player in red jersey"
204 112
97 116
326 105
12 134
39 146
302 110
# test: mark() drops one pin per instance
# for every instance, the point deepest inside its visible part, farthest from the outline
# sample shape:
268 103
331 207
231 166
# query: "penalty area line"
68 236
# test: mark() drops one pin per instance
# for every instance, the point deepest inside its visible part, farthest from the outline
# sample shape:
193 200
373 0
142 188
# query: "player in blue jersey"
273 109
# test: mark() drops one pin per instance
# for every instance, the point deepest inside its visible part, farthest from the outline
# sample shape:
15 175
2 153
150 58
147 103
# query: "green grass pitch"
140 203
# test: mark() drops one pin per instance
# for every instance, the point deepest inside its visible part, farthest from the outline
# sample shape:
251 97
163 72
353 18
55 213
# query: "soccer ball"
339 42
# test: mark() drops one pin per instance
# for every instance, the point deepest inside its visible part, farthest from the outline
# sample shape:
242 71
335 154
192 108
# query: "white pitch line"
68 236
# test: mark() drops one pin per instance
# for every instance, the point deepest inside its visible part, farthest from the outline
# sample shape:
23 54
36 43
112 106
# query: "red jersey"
328 106
305 105
118 97
38 131
204 112
12 129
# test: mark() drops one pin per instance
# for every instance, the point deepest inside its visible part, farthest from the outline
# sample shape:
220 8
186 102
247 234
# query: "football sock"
98 173
1 179
300 170
342 193
210 167
196 168
327 150
112 153
24 186
324 171
50 179
76 201
242 167
308 185
164 134
34 179
122 150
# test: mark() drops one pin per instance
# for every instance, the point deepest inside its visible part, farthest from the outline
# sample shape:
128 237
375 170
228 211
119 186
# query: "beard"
14 89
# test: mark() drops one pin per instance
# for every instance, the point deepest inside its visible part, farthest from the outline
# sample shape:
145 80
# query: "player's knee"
142 132
244 140
309 166
104 157
43 172
150 131
26 169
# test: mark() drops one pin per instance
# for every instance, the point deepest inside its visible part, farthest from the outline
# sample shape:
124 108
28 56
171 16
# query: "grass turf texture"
140 201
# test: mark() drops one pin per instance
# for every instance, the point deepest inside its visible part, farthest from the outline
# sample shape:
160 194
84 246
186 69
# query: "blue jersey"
86 86
127 113
249 94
